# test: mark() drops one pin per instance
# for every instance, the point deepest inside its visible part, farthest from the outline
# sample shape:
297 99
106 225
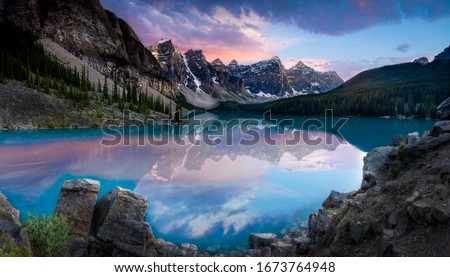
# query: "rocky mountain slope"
195 77
270 78
401 209
82 34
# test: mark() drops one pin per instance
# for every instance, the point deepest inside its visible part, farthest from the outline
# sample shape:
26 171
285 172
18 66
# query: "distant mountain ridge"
270 78
408 89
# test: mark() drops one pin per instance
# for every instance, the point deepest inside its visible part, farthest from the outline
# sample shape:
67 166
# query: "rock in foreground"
76 205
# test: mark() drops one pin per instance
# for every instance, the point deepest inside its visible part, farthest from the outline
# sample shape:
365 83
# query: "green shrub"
48 235
402 145
12 249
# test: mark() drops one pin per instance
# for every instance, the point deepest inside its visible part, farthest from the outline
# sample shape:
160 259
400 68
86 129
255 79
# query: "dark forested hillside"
410 89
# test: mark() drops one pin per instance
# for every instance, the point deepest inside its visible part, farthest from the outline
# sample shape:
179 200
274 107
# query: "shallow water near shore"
210 195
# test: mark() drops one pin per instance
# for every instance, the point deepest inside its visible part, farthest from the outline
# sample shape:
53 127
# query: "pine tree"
105 95
116 91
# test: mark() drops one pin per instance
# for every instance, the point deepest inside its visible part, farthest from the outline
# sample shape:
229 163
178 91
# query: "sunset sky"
347 36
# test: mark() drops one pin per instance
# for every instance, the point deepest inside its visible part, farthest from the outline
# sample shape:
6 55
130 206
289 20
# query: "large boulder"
76 205
9 217
117 205
118 225
122 238
261 240
334 200
440 127
7 211
444 109
318 226
373 162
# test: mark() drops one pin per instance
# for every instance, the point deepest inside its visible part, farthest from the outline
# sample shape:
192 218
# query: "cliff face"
90 32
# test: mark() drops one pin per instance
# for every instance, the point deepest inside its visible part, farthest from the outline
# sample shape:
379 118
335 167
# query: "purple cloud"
404 47
323 17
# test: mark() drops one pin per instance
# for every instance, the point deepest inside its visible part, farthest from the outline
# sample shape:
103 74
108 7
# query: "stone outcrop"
7 211
444 109
76 205
9 217
10 225
373 163
118 225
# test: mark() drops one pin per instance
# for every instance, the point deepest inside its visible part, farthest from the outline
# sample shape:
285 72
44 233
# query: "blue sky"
347 36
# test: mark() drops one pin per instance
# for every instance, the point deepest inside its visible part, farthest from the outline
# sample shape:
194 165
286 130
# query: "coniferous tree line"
23 58
408 98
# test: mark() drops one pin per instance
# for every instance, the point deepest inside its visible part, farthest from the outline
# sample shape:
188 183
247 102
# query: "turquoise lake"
209 195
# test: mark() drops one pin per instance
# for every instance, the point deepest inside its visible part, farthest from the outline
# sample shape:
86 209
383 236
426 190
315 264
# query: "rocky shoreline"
401 209
24 108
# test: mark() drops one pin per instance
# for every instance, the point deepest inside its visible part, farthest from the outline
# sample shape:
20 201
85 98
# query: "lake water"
210 195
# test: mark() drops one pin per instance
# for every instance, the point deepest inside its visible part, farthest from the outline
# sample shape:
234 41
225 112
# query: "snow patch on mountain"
266 95
197 82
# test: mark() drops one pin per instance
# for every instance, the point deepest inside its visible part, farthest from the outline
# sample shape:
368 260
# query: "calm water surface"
213 196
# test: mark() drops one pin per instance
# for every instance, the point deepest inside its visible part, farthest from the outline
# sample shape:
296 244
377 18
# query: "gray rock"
76 205
399 221
444 109
261 240
379 225
422 207
441 213
388 236
78 247
122 238
7 211
440 127
282 249
302 244
334 200
188 250
119 204
8 227
355 231
413 138
318 225
397 140
373 162
264 252
413 197
438 141
420 212
162 248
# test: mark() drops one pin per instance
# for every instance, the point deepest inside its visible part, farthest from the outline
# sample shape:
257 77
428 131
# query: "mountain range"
86 37
109 45
411 89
